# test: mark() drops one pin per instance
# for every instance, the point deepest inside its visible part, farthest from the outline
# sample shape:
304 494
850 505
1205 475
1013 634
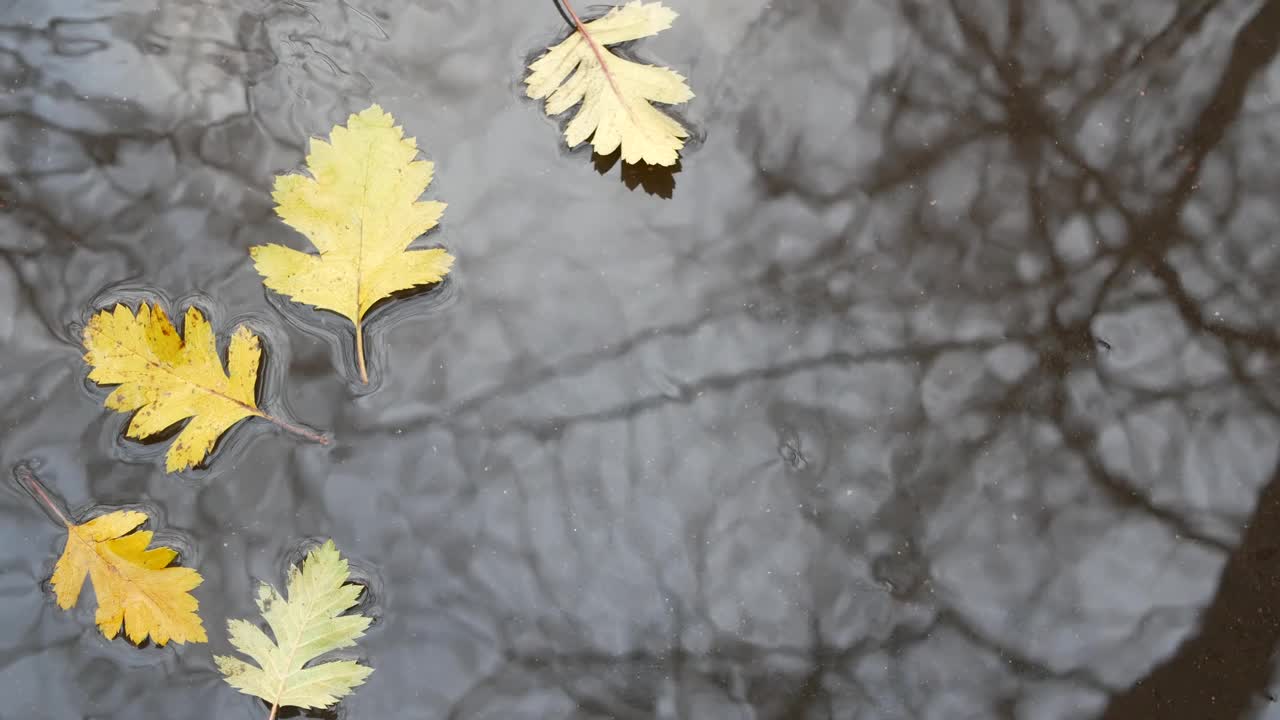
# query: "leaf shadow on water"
655 179
299 714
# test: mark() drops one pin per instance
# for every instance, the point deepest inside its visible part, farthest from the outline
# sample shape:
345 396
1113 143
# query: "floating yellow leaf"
360 210
168 379
616 94
306 625
134 586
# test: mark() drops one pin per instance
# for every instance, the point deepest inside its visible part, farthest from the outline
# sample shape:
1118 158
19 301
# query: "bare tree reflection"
1052 250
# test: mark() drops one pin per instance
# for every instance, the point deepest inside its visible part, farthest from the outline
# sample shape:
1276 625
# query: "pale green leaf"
306 624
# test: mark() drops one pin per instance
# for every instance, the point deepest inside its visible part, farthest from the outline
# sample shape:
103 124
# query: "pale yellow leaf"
360 209
616 95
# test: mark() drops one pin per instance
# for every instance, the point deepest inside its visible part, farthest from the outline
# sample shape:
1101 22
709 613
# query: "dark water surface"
944 386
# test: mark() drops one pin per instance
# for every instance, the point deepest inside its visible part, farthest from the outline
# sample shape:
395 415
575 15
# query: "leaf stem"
275 707
364 372
295 429
596 50
28 478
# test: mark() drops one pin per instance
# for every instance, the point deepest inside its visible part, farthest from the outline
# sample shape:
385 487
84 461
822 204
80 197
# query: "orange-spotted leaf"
167 378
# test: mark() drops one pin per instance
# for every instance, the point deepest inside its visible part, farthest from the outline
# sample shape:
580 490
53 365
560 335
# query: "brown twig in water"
27 478
290 427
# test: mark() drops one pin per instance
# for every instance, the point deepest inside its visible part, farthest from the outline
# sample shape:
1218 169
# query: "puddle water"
937 381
